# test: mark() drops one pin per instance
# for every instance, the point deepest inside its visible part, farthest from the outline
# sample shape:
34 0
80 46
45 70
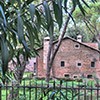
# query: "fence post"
0 91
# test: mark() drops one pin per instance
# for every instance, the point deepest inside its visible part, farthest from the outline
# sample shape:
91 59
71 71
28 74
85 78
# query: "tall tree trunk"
51 55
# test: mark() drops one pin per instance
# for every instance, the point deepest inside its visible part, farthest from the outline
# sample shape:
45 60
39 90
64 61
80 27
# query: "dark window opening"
62 63
89 76
92 64
78 64
75 76
67 75
34 68
77 46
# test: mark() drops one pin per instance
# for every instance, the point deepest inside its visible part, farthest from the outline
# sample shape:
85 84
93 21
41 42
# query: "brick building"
73 59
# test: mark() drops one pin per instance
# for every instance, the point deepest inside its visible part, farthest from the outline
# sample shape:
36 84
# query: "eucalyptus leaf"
58 13
85 3
3 15
32 11
30 33
20 28
47 12
5 54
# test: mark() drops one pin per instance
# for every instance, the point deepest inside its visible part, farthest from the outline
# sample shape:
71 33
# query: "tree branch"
61 37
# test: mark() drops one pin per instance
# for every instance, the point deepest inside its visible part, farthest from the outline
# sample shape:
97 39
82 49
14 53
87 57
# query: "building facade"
74 59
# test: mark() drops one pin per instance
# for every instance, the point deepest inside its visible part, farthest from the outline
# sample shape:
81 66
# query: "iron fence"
54 90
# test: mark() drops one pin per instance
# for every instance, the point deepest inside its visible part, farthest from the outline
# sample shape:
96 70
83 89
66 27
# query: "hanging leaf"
58 13
36 31
5 54
11 51
30 33
94 1
47 13
65 4
81 8
26 47
59 3
2 15
20 28
38 19
27 3
48 18
19 2
74 3
32 11
85 3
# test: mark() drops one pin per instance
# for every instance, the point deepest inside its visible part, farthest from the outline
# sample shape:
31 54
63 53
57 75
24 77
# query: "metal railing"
55 90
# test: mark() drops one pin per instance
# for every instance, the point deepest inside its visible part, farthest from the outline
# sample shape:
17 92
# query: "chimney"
79 38
45 51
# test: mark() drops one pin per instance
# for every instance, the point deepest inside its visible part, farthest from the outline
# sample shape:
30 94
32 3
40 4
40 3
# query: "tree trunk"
51 56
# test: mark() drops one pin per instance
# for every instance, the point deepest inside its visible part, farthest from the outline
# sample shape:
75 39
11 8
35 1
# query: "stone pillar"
45 51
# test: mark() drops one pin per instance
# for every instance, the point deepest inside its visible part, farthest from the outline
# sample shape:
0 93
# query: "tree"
90 22
18 34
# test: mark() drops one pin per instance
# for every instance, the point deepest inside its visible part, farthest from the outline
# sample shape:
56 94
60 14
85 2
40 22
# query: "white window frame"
77 64
77 47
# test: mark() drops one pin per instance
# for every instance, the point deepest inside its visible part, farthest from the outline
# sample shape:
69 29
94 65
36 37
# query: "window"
92 64
74 76
34 68
66 75
62 63
78 64
77 46
89 76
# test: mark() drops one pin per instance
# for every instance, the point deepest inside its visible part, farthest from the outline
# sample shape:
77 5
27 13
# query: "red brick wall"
71 55
68 53
40 71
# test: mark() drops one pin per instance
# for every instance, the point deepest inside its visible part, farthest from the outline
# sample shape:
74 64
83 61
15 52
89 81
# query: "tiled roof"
93 46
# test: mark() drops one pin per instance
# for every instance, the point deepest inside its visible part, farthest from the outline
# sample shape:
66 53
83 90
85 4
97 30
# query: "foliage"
89 24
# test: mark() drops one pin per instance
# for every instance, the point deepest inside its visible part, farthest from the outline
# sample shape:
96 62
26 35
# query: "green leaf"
20 28
74 3
50 26
27 3
65 4
38 18
81 8
26 47
3 16
36 31
59 2
85 3
30 33
47 13
32 11
11 51
94 1
5 54
19 2
58 13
